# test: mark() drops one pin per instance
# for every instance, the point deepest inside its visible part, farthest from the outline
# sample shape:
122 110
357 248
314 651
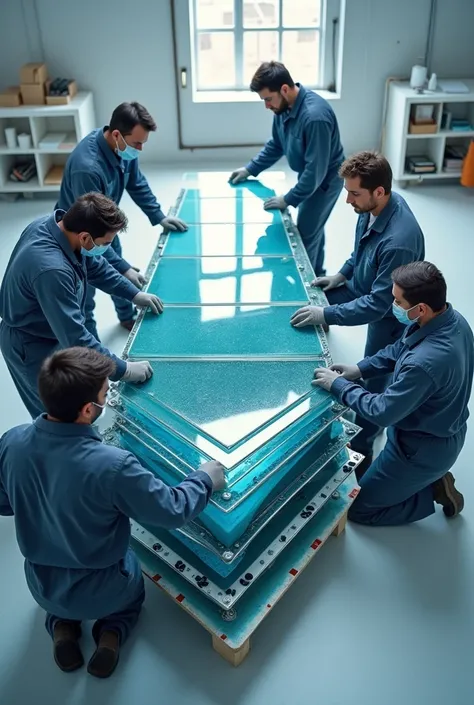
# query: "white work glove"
276 203
173 223
215 470
324 377
137 372
329 282
133 275
351 372
150 301
239 175
308 316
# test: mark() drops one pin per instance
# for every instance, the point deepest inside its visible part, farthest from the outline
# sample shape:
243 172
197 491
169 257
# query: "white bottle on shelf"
433 82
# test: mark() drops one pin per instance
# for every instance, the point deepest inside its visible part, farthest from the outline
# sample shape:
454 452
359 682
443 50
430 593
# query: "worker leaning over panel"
72 497
305 130
387 236
106 161
425 407
43 291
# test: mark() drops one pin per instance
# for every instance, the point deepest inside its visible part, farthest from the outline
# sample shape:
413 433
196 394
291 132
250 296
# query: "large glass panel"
219 280
258 47
214 14
220 239
300 54
208 186
215 60
223 331
301 13
260 13
227 210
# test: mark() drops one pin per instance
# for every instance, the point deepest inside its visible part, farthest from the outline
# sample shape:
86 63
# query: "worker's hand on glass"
276 203
150 301
308 316
239 175
324 377
137 372
351 372
329 282
215 470
133 275
174 224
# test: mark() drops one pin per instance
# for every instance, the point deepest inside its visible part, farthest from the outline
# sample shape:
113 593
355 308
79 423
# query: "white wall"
124 52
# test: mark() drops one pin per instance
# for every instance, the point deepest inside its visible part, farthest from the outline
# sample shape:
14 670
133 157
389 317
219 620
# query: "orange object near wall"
467 176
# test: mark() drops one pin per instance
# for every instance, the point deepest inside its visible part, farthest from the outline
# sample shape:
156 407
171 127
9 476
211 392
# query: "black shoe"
128 325
106 657
67 652
446 494
362 468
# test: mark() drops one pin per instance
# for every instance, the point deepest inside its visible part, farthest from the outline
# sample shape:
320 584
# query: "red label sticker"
269 606
316 544
156 577
180 598
354 493
223 637
293 572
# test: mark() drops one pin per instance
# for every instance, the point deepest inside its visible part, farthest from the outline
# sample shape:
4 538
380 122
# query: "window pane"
301 13
214 14
260 13
258 47
215 60
300 54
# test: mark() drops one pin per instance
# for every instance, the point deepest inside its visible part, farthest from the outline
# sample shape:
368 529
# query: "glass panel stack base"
232 382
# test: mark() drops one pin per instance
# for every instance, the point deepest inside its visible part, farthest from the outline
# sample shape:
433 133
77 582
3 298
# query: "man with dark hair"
72 497
425 407
44 288
106 161
387 236
305 130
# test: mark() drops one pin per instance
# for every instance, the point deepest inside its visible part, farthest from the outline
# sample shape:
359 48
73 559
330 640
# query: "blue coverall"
395 238
42 303
308 135
425 409
93 166
72 497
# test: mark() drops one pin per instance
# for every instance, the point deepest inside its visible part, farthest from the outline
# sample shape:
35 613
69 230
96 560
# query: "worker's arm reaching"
317 152
139 190
268 156
142 496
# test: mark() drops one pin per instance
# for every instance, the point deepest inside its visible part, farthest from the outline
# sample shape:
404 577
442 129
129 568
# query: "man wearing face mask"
387 236
306 132
43 291
425 408
72 497
106 161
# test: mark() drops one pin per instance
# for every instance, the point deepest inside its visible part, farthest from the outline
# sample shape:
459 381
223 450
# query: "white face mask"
102 407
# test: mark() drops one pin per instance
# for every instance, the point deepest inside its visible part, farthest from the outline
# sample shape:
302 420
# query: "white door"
218 46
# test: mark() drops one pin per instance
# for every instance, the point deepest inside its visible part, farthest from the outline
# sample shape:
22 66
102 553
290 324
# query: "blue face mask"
96 250
401 314
129 153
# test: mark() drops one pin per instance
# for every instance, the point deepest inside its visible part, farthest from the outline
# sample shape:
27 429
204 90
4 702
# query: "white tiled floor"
381 617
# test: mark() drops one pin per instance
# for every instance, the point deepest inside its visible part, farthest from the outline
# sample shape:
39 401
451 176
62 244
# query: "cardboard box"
35 73
33 94
423 128
54 175
63 99
10 97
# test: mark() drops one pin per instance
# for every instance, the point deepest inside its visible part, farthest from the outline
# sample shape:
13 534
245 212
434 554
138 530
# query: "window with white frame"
232 37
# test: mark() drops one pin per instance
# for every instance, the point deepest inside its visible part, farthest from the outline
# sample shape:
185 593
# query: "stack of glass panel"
232 377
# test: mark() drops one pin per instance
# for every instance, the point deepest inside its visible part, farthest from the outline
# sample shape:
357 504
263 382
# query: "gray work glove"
351 372
324 377
239 175
308 316
276 203
215 470
150 301
137 372
173 223
329 282
133 275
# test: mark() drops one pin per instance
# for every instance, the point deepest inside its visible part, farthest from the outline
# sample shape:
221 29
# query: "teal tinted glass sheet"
226 210
217 280
224 331
212 185
221 239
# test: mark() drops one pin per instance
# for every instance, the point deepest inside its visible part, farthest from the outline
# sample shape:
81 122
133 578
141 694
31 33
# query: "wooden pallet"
231 639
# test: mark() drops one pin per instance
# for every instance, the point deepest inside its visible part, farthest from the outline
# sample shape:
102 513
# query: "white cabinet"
400 144
73 121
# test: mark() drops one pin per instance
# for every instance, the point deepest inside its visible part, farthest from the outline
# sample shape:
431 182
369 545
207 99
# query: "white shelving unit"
400 144
77 118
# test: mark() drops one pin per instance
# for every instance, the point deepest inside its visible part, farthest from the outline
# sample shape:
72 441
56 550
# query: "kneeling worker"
425 407
72 497
44 290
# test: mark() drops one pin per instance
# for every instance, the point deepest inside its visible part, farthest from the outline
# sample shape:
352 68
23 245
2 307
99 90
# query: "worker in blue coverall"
425 407
44 288
387 236
72 497
106 161
305 130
